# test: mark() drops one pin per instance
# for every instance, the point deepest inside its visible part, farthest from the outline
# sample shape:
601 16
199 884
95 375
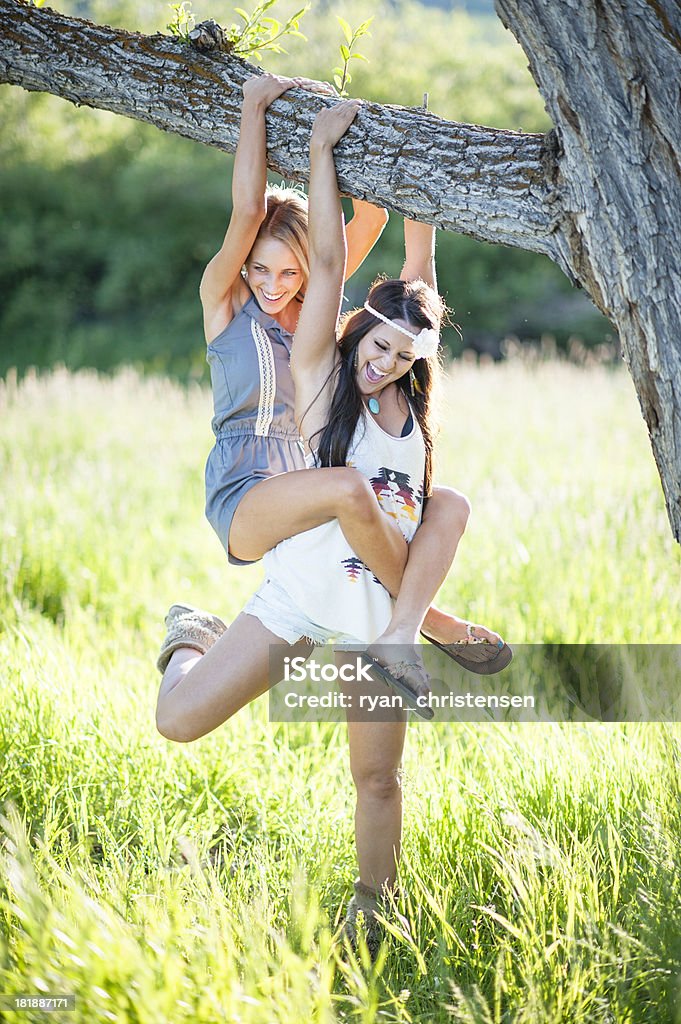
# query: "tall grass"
540 875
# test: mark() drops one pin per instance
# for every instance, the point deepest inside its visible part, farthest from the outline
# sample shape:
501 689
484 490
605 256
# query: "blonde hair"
286 221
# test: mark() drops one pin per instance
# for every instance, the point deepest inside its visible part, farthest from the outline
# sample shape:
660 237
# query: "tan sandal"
475 653
188 627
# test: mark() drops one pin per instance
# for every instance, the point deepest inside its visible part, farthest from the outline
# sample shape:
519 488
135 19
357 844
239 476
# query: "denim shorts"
274 608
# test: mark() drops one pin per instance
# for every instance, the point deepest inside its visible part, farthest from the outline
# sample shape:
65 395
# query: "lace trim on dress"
268 379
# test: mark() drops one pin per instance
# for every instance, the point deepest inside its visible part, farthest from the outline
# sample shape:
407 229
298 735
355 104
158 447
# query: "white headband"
425 342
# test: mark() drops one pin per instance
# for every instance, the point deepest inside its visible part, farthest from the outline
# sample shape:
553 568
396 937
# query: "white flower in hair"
425 342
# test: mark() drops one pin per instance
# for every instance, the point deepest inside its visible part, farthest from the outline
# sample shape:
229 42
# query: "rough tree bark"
600 194
610 74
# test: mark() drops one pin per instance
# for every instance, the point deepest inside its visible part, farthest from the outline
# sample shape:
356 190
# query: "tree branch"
600 194
493 185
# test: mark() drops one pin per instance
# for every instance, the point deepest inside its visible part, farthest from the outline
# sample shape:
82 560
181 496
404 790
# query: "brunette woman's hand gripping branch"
314 353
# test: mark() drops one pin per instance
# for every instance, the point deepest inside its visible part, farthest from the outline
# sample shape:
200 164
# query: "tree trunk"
600 195
610 74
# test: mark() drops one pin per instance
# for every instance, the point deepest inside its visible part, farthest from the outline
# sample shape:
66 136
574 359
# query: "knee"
358 496
451 505
172 729
378 784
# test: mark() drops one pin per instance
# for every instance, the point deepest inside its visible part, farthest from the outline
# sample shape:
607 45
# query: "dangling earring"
354 360
412 378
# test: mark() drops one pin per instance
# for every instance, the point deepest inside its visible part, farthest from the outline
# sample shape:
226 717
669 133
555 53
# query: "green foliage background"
108 223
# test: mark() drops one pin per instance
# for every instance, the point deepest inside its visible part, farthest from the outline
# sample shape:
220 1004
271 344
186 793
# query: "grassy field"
204 882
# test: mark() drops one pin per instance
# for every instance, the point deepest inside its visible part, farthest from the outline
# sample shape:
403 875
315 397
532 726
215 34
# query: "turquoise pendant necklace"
374 406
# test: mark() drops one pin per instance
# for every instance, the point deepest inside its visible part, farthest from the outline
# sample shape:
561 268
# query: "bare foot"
450 629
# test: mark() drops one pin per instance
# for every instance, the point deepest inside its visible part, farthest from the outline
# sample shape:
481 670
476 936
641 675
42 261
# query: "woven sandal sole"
484 666
188 628
385 676
166 654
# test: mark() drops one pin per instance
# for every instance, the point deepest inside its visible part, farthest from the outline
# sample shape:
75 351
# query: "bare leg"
290 503
310 497
200 692
431 554
376 747
375 759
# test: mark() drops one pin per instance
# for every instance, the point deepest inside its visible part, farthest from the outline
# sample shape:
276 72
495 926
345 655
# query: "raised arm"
314 353
362 233
222 277
419 253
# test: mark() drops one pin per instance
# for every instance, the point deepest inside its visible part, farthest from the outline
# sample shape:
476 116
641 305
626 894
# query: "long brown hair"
421 307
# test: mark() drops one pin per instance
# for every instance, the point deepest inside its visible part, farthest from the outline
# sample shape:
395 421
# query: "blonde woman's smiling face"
383 355
274 274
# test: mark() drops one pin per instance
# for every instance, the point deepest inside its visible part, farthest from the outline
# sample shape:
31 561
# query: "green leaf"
338 81
345 53
362 30
337 71
347 31
359 56
241 13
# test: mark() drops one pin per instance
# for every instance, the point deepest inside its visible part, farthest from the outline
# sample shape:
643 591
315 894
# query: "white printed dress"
320 573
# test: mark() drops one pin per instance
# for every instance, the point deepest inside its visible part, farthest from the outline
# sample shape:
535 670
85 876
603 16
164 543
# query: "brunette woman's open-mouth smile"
373 375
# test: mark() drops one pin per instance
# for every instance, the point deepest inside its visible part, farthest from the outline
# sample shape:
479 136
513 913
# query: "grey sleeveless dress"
255 434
